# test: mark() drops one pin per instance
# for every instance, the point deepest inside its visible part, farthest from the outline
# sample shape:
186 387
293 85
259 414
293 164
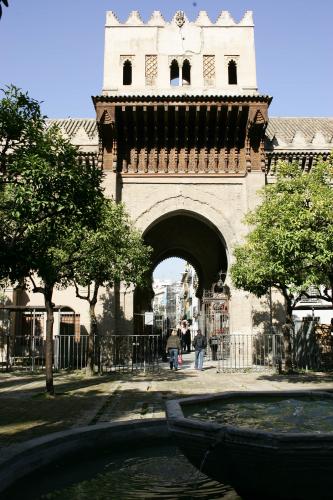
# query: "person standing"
173 347
199 344
185 336
214 343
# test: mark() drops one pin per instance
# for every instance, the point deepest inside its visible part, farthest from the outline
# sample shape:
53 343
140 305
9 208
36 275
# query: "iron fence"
238 352
306 347
111 353
127 353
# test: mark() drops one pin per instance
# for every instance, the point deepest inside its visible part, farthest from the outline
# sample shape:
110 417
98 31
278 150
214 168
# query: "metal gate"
240 352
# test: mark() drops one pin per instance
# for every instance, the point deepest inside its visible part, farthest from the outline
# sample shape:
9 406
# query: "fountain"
128 460
267 445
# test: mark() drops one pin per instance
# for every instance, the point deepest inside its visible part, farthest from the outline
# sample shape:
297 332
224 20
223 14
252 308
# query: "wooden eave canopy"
181 98
175 134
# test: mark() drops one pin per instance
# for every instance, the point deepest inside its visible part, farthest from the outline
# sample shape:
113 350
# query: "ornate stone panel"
151 69
209 70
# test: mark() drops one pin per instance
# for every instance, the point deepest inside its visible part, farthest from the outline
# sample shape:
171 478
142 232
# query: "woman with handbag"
173 347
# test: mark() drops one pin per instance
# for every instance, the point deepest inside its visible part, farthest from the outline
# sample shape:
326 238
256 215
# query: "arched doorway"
192 237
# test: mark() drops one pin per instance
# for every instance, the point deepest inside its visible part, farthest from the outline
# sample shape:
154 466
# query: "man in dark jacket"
199 344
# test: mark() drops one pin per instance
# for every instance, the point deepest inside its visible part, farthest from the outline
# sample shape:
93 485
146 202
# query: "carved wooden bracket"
258 115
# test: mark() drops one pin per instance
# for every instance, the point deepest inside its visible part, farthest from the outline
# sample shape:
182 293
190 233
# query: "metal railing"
128 353
238 352
111 353
306 348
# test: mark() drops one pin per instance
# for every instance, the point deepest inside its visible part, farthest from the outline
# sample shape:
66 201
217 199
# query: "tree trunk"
93 333
49 338
331 285
287 329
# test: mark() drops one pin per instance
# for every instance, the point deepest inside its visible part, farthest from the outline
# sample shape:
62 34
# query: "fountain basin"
19 461
258 463
131 460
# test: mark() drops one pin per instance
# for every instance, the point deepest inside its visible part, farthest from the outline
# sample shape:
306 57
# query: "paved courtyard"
26 411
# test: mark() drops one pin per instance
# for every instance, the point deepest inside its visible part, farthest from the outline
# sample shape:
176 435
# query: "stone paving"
26 412
143 396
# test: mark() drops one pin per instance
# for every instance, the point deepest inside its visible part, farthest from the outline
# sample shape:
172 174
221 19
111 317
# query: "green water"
157 472
300 415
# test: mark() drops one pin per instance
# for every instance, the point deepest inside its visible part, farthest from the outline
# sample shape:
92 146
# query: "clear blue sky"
54 49
170 269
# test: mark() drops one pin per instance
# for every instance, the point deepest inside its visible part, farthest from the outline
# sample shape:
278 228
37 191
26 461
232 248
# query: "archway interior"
174 285
189 236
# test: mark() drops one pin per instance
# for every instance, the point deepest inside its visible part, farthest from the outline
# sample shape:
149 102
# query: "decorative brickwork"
151 69
209 70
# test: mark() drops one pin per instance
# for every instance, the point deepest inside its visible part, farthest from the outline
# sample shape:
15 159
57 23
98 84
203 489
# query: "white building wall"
225 39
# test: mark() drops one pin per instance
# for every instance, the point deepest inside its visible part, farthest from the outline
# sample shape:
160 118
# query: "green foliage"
113 252
290 244
46 196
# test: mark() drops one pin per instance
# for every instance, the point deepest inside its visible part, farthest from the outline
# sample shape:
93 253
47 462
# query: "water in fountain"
303 415
159 472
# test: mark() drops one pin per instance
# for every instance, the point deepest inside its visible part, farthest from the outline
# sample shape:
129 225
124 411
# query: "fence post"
8 353
56 352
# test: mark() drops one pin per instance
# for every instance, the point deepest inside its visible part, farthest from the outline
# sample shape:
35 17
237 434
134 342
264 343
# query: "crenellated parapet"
179 19
298 140
179 54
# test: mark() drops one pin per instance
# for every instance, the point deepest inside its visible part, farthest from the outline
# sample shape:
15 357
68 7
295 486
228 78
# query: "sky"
54 50
171 268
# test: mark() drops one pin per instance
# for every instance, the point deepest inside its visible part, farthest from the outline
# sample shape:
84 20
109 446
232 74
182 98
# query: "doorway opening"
189 252
175 285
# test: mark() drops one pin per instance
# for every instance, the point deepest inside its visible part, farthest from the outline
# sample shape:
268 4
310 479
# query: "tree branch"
77 292
35 288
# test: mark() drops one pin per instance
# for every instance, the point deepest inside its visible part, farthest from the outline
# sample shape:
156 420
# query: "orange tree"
290 242
47 201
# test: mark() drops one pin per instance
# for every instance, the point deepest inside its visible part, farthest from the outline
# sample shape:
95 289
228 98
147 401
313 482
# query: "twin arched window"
180 76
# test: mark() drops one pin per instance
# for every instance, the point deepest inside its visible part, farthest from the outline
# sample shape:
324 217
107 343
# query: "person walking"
199 344
173 347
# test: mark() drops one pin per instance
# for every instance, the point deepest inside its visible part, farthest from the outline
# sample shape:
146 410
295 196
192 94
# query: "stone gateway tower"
183 137
181 129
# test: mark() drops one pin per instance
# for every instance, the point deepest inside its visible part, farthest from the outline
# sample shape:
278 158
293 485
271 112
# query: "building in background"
166 304
190 303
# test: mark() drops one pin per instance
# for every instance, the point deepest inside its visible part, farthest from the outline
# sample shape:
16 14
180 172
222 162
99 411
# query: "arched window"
174 73
127 73
186 77
232 73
